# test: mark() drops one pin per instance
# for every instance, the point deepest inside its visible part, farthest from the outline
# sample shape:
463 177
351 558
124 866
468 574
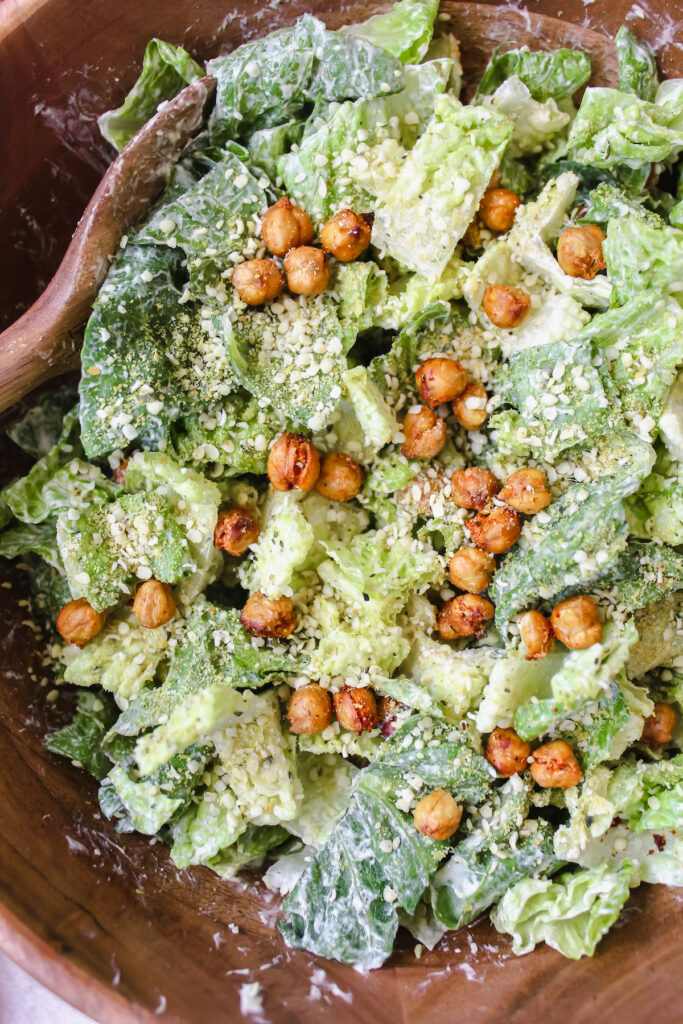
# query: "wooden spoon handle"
45 341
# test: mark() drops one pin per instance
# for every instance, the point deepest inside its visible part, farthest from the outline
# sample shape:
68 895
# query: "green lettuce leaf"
637 65
81 740
536 124
268 81
406 30
40 429
571 915
166 69
642 256
345 904
551 74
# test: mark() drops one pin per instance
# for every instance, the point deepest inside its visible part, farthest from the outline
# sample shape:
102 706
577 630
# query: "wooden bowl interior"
106 920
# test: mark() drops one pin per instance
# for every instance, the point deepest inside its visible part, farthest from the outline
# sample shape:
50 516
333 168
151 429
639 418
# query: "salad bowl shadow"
106 920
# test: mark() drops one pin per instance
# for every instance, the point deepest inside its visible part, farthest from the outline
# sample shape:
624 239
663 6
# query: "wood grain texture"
106 920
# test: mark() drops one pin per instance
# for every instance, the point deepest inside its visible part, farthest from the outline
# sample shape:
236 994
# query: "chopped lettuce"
536 124
264 83
552 74
42 426
571 914
81 740
425 210
637 65
406 30
345 904
326 781
282 548
166 69
642 256
210 824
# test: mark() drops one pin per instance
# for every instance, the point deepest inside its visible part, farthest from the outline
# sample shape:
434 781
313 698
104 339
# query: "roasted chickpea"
536 633
356 708
341 478
440 380
78 622
658 728
154 604
496 529
310 710
471 570
579 251
507 752
469 408
437 815
306 270
464 615
269 617
425 434
527 491
235 531
506 306
119 474
498 208
474 487
576 622
284 227
554 765
293 463
257 281
347 235
389 710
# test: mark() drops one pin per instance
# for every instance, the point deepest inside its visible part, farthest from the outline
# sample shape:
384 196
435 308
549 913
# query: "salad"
360 544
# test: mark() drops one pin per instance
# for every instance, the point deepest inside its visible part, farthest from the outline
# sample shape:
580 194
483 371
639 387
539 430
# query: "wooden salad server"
45 341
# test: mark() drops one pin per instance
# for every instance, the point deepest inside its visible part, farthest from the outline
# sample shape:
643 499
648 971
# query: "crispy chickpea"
469 408
554 765
284 227
440 380
498 208
536 633
257 281
658 728
464 615
236 530
154 604
341 478
507 752
425 434
119 474
474 487
269 616
437 815
471 570
356 708
495 530
527 491
293 463
579 251
78 622
346 235
310 710
389 710
505 306
306 270
576 622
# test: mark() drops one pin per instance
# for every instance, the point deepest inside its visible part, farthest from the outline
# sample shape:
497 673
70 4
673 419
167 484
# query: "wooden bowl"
105 920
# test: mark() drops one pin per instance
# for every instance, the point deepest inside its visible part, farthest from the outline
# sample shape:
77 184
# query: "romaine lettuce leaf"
536 124
637 65
571 915
649 795
39 538
49 586
282 548
327 782
249 849
608 202
550 74
424 210
501 851
81 740
661 636
655 511
615 128
268 81
166 69
641 256
211 823
405 30
148 357
345 904
42 426
319 173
